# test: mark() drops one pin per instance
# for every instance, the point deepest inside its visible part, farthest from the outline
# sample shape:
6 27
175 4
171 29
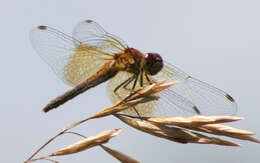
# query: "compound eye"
154 63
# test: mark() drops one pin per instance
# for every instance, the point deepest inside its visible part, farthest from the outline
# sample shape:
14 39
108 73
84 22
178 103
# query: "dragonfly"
92 56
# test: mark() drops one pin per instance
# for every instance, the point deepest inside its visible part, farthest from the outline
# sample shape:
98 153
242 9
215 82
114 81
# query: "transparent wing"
208 99
72 60
163 107
186 98
92 33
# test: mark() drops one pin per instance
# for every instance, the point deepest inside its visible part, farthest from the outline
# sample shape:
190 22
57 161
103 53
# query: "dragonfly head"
153 63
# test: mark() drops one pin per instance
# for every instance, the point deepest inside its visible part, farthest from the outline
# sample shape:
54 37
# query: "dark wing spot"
89 21
230 98
196 109
42 27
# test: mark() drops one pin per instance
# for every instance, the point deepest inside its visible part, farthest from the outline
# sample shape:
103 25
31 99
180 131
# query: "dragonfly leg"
148 79
133 88
126 82
139 116
141 78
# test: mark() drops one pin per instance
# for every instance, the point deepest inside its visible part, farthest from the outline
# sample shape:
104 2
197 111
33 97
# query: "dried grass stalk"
207 125
119 155
156 126
140 96
89 142
174 134
153 89
192 121
223 130
43 158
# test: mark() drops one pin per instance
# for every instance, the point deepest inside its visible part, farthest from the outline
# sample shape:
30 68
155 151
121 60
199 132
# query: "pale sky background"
215 41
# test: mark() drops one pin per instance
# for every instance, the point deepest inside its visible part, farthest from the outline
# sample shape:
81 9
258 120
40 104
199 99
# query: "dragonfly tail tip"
46 109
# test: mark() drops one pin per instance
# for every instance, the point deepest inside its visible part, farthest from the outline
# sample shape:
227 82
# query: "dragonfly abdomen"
106 72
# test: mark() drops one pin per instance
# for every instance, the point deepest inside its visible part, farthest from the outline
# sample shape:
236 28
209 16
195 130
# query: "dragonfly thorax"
153 63
131 60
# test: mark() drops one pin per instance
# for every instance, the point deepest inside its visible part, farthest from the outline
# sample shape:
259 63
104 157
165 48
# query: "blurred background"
214 41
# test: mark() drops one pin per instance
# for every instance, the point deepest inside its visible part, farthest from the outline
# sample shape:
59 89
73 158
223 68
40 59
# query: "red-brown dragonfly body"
131 61
93 56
